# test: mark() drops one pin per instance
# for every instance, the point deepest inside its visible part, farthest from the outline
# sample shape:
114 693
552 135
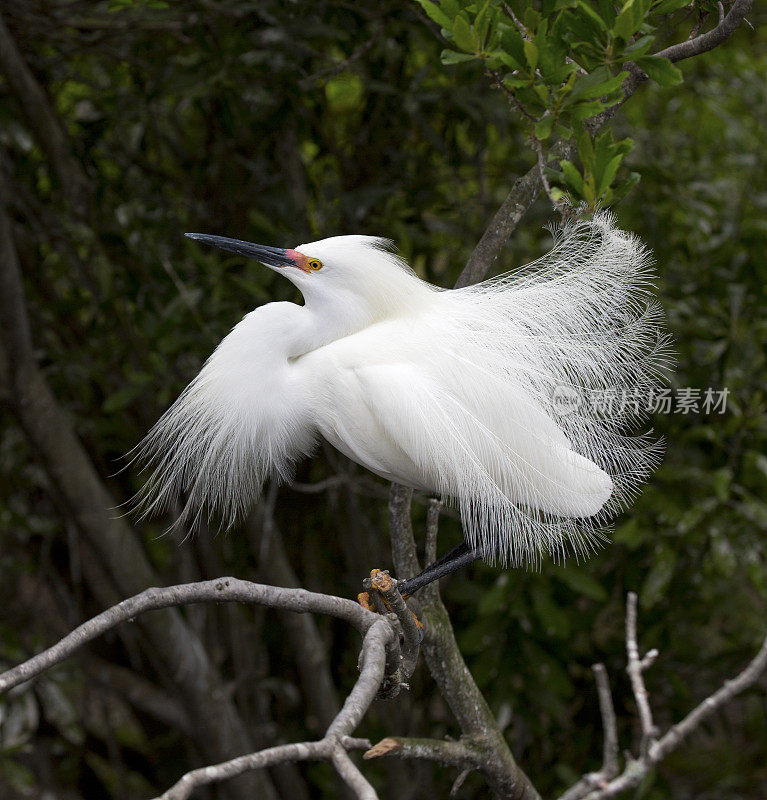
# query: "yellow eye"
314 264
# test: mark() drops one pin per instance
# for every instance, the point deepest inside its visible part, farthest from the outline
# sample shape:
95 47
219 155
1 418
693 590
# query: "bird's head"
362 266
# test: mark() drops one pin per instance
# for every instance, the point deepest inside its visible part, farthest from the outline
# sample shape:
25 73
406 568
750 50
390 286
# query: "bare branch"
609 725
300 751
599 786
713 38
462 753
332 747
353 778
203 592
595 780
676 735
634 669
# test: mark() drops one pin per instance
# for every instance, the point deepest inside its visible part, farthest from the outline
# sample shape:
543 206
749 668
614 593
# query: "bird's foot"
383 597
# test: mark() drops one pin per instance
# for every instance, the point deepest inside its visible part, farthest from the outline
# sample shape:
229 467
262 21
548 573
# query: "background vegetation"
285 122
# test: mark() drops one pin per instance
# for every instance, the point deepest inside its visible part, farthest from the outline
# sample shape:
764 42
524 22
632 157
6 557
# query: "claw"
363 598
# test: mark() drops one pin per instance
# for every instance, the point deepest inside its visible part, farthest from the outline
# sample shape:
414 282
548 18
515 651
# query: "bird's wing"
487 445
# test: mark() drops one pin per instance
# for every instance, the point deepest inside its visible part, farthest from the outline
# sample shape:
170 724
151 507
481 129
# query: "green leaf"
584 82
513 44
607 11
532 18
598 84
482 23
585 144
454 57
608 174
506 59
639 47
543 128
588 12
587 108
434 12
464 36
573 178
660 70
531 54
450 7
627 23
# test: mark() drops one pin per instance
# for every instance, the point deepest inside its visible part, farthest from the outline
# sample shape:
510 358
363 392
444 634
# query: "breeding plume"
457 393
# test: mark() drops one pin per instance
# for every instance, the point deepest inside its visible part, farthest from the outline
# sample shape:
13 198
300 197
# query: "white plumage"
448 391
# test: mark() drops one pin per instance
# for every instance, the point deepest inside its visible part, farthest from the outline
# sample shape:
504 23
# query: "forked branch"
334 745
608 783
379 651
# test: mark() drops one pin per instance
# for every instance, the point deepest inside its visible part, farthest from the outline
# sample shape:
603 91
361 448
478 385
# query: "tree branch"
610 768
462 753
448 668
215 591
380 639
635 667
713 38
602 785
332 747
526 188
42 119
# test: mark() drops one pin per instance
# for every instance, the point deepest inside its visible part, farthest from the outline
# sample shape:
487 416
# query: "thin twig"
635 669
596 780
594 786
609 725
559 205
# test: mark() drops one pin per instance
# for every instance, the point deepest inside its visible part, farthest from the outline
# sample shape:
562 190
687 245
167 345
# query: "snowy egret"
457 393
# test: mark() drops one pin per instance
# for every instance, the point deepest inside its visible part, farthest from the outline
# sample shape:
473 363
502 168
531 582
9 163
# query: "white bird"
451 392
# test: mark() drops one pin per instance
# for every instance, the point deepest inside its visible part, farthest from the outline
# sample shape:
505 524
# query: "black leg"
453 560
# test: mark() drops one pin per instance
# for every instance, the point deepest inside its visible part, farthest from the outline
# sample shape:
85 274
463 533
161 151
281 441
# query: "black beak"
271 256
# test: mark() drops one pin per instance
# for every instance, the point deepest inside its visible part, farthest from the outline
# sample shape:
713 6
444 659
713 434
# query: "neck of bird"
324 318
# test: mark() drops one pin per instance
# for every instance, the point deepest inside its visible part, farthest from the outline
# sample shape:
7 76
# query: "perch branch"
449 670
298 600
382 586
